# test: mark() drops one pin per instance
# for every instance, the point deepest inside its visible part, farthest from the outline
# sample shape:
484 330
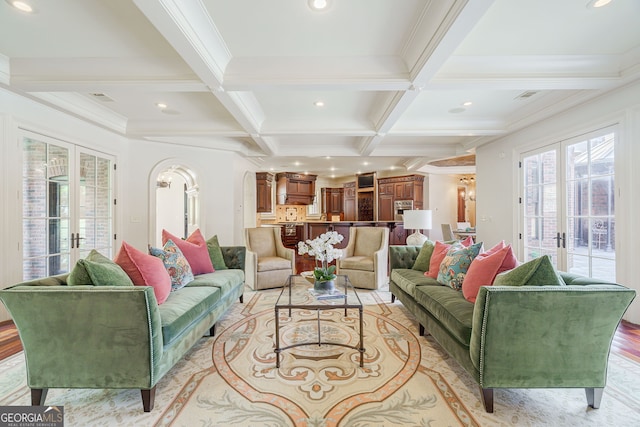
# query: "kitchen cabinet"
407 187
366 202
264 186
349 201
295 188
332 201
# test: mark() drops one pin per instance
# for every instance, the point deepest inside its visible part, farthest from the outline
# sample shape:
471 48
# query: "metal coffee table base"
319 342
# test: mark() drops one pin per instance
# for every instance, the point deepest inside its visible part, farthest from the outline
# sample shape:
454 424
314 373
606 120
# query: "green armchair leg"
487 399
148 398
38 396
594 396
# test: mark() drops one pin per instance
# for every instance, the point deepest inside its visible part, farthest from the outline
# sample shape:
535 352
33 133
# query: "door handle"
72 240
558 238
78 238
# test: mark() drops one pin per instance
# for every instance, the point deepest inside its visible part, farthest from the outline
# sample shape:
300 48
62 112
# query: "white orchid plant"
322 249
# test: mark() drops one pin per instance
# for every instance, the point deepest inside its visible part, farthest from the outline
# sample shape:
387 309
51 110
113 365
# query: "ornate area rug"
407 380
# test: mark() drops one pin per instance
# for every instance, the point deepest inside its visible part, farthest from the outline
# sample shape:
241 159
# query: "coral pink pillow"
194 250
510 261
484 268
439 252
467 242
145 270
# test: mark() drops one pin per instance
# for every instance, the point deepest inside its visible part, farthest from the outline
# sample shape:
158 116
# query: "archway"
173 200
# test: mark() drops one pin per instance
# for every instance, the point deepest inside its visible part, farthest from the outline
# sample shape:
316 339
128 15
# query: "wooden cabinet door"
336 201
316 229
344 230
398 235
385 207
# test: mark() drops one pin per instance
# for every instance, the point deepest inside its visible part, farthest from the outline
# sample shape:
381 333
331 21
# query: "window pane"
35 159
34 232
602 196
577 161
602 155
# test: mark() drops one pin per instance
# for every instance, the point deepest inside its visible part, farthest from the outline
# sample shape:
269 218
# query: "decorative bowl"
309 276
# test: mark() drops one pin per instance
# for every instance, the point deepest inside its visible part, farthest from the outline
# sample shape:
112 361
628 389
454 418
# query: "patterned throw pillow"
194 249
176 264
455 264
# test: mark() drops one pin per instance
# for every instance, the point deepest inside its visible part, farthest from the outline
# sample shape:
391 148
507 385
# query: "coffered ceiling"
245 75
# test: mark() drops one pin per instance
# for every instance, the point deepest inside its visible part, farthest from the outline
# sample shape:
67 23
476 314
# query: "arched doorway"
174 203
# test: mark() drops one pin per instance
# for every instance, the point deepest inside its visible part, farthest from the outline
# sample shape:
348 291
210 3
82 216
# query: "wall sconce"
468 196
163 182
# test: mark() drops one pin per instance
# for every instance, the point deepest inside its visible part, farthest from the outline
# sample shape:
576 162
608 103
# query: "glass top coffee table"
297 294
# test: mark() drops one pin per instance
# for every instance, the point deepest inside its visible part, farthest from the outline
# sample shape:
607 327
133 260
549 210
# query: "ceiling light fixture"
593 4
21 5
318 5
319 103
466 104
161 105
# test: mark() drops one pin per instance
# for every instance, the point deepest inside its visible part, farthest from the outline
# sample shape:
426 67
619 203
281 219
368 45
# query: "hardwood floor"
626 341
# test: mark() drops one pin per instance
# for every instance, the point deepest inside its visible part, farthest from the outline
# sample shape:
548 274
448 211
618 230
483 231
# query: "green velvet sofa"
517 336
116 336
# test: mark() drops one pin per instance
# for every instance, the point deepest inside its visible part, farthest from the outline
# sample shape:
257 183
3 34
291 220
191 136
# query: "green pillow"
79 274
424 256
96 269
537 272
215 253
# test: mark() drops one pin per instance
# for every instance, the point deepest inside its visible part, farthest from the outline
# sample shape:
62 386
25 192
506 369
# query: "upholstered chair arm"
403 256
234 256
88 336
251 268
545 336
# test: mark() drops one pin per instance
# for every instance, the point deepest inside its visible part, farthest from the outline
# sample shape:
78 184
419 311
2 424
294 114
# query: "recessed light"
365 163
466 104
593 4
318 5
161 105
319 103
21 5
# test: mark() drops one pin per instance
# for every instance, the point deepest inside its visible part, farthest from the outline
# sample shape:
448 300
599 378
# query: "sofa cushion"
450 308
364 263
455 264
439 252
175 262
407 279
537 272
270 263
483 271
185 307
98 270
145 270
194 249
424 256
226 280
215 253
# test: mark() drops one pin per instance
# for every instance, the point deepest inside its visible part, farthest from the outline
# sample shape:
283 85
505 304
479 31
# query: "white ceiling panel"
244 75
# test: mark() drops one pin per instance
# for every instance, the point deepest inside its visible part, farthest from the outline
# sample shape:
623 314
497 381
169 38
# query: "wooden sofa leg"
242 299
421 330
148 398
487 399
212 330
594 396
393 298
38 396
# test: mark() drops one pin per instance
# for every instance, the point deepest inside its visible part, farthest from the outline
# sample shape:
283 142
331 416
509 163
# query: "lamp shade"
417 220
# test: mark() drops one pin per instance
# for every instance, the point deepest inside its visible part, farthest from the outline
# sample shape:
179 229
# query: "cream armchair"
269 262
364 259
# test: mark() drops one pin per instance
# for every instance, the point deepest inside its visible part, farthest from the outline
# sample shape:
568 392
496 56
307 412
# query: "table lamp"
417 220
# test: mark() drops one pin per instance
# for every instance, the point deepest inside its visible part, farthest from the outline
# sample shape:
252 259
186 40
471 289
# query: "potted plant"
321 248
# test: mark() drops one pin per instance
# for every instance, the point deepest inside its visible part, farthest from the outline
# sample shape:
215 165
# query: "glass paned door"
95 207
67 206
591 206
540 218
569 205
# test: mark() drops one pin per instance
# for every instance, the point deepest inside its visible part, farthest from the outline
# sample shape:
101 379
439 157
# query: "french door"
568 204
67 205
